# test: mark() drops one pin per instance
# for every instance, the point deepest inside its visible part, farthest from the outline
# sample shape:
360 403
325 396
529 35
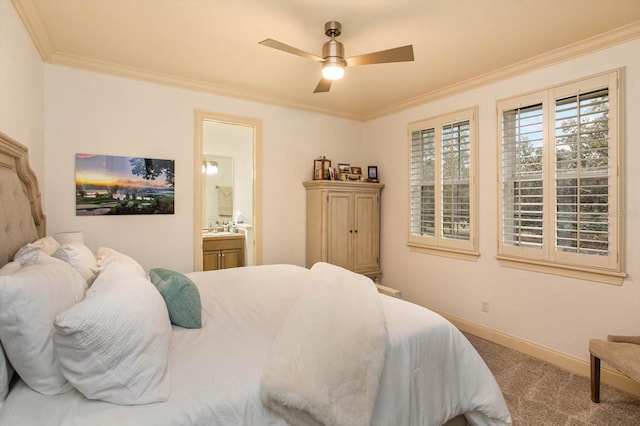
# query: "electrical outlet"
484 306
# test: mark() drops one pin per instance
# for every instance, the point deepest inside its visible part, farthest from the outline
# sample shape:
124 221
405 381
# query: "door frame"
256 124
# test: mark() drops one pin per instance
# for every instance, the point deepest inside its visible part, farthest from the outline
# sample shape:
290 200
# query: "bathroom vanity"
222 250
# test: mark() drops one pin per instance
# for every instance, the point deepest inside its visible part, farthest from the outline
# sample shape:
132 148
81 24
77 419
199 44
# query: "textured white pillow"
80 257
6 373
26 254
47 244
29 252
6 370
106 256
30 298
114 345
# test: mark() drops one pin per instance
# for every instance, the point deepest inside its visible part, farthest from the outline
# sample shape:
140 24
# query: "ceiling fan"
333 60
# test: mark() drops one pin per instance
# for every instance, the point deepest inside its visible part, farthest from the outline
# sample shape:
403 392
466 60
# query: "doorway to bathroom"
227 184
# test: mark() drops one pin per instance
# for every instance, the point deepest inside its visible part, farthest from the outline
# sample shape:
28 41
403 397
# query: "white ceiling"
212 45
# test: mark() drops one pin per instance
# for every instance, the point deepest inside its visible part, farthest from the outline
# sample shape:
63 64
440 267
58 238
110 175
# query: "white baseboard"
568 362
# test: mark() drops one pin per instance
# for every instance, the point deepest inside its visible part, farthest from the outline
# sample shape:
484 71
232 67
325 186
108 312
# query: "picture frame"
344 168
117 185
333 173
321 168
356 170
372 173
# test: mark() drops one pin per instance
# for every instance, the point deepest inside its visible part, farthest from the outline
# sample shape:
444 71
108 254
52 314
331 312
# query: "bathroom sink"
217 234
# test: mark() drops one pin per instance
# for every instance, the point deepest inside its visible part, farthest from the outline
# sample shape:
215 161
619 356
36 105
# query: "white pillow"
26 254
47 244
80 257
12 267
114 345
30 298
6 373
106 256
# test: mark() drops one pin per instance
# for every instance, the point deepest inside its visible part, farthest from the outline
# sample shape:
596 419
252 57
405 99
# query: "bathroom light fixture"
210 167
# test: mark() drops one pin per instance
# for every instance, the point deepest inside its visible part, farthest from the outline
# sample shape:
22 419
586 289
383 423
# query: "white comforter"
327 359
431 371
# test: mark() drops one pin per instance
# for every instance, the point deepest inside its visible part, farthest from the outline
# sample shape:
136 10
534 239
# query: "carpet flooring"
540 394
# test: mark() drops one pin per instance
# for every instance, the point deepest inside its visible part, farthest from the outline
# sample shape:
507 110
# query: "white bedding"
431 371
326 362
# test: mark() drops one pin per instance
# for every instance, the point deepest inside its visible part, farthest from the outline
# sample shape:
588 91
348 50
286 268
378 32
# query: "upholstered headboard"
21 217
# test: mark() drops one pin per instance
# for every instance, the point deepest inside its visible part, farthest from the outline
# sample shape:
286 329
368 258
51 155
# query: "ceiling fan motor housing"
333 50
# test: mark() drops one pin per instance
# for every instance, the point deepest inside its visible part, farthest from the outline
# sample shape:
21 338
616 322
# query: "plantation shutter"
443 201
561 167
456 144
582 173
522 176
423 166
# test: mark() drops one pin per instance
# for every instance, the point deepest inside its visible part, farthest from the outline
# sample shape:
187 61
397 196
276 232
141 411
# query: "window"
559 195
443 194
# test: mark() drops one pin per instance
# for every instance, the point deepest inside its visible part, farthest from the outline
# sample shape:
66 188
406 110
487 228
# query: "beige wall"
21 88
555 312
100 114
87 112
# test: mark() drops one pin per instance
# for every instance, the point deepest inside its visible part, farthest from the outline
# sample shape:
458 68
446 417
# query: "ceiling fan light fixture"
333 60
332 71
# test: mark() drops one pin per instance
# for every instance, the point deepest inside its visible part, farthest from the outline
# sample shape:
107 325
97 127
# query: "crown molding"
581 48
184 83
29 15
36 29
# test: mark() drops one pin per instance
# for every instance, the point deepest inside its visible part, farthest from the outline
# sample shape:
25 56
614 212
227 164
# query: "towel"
225 201
327 359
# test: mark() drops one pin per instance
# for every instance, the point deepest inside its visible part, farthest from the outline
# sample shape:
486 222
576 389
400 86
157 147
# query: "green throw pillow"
181 296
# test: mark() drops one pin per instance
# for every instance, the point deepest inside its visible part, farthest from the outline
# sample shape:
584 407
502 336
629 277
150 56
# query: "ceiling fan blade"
290 49
323 86
398 54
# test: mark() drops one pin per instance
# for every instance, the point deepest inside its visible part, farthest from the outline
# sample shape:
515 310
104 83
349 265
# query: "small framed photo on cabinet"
333 173
344 167
373 174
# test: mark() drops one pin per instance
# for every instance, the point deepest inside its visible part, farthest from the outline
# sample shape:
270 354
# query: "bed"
264 350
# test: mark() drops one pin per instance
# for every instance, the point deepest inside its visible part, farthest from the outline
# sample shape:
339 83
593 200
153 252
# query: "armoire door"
339 229
366 244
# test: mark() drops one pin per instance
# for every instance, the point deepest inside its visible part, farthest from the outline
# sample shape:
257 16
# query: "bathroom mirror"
217 191
227 187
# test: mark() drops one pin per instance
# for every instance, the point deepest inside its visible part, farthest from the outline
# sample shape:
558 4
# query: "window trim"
435 245
548 260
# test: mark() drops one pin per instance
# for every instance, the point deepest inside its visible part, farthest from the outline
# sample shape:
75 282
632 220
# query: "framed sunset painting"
114 185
